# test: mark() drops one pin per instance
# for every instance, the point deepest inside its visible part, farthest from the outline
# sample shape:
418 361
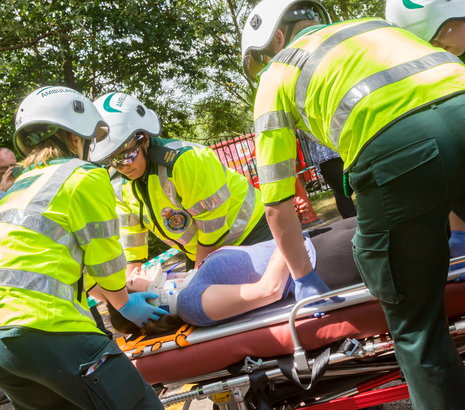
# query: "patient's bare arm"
225 301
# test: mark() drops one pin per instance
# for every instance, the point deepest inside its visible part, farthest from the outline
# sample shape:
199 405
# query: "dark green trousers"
48 371
407 180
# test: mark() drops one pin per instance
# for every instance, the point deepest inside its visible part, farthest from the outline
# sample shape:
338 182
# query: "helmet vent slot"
140 110
78 106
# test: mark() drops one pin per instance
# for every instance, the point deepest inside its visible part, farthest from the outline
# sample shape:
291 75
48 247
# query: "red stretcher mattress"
358 321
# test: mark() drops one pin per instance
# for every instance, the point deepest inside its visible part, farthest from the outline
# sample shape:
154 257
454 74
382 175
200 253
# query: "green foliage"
181 57
97 46
351 9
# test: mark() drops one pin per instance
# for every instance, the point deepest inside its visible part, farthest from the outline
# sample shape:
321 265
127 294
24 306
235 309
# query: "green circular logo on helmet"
409 4
106 104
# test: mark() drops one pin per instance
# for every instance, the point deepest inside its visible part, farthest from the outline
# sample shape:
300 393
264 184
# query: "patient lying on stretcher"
234 280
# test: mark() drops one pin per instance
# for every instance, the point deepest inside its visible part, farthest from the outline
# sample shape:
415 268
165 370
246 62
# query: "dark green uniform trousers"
407 180
50 371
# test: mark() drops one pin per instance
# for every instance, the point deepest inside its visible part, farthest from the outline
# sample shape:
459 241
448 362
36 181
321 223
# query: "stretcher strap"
320 363
181 335
155 343
258 383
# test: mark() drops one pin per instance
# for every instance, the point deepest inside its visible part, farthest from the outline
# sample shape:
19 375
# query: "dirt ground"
326 211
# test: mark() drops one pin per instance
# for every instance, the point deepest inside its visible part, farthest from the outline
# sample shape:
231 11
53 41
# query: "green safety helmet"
263 21
48 109
424 18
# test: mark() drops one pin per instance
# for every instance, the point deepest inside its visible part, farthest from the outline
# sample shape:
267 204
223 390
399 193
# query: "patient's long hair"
165 325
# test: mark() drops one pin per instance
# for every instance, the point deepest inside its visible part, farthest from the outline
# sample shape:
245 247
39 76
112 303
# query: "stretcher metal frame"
369 363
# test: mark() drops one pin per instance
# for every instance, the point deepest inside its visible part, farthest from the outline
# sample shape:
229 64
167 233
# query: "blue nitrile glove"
311 285
139 311
457 248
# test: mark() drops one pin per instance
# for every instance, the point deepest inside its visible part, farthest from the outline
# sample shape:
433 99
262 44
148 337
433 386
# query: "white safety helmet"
424 18
48 109
126 117
263 21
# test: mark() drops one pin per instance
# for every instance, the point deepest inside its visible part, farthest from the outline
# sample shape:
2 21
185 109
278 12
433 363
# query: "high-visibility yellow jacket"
133 234
345 83
55 221
189 197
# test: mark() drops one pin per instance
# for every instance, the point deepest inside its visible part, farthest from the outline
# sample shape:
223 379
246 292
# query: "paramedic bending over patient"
393 106
186 196
237 279
57 218
441 23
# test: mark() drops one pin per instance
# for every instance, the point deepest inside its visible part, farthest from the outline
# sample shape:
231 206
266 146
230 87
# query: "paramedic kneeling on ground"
393 106
57 218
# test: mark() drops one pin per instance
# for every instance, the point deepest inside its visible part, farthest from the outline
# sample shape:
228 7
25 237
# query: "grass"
321 195
323 202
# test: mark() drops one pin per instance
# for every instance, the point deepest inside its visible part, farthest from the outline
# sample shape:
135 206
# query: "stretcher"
282 356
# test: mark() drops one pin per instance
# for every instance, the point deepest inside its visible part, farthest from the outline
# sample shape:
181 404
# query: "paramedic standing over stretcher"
57 218
393 106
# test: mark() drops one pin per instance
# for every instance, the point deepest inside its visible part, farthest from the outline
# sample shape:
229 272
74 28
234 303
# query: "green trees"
181 57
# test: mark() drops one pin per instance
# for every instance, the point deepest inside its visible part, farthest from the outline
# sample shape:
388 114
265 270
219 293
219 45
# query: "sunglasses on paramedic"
129 156
256 61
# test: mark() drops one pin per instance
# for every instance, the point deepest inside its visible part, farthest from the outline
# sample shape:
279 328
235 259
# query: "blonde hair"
47 150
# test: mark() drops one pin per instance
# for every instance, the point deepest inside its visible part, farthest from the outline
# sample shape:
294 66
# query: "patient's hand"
138 280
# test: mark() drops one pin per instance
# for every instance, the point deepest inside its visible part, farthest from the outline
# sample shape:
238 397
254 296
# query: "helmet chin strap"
290 29
86 150
147 160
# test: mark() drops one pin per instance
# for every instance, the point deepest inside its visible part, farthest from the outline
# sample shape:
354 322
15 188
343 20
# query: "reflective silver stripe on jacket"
41 283
274 121
212 202
42 199
97 230
44 226
211 225
102 270
307 63
32 218
243 217
134 240
379 80
168 187
182 144
276 172
318 55
292 56
117 183
127 220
